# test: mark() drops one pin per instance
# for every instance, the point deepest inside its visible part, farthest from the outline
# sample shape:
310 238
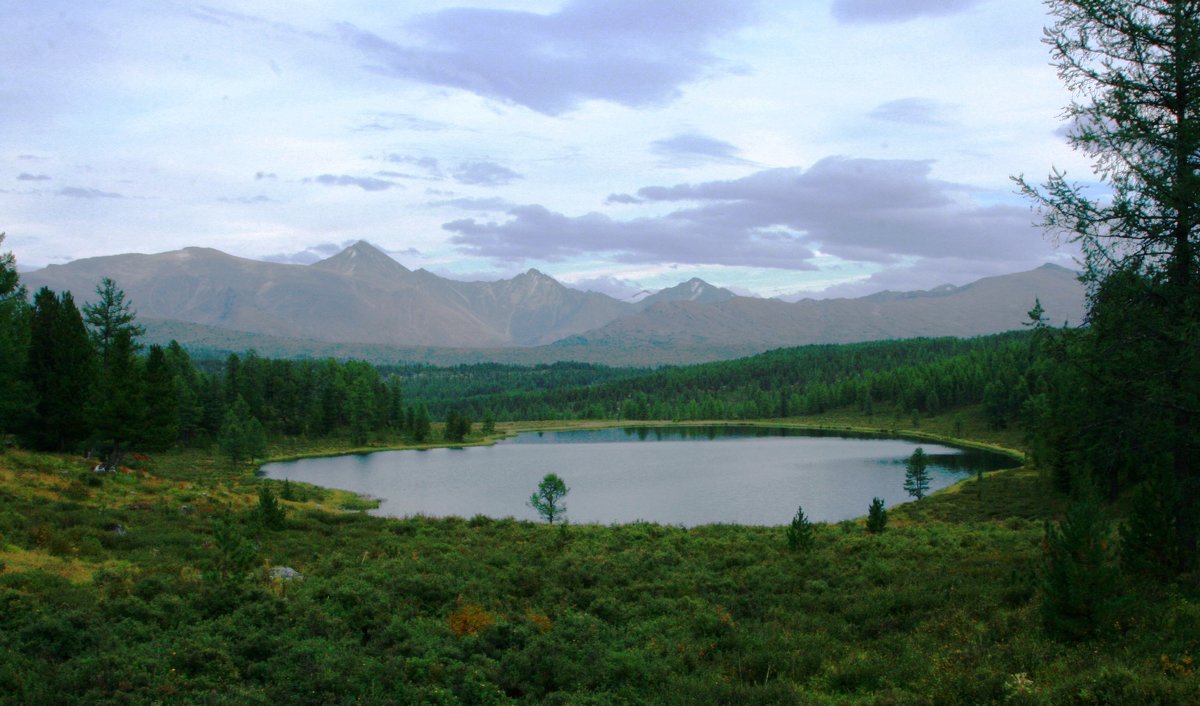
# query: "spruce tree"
117 407
800 535
876 516
160 428
60 371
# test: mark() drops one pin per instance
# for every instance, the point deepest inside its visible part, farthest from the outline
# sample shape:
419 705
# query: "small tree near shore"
876 517
800 532
916 474
548 498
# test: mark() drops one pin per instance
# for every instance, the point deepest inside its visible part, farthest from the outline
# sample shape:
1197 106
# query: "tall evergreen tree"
116 409
15 402
1134 69
109 315
60 372
161 424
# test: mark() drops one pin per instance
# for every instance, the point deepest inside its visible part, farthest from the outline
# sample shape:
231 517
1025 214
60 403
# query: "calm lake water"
671 475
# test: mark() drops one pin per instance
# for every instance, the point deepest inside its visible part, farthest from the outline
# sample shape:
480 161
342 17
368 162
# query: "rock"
286 573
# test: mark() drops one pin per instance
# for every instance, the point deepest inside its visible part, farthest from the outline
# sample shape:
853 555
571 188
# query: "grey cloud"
364 183
880 211
622 199
692 146
912 111
261 198
484 173
880 11
25 176
625 51
82 193
533 232
259 176
429 165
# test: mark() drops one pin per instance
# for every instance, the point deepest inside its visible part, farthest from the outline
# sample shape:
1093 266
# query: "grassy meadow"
153 585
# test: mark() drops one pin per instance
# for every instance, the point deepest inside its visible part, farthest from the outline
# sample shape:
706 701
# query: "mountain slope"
989 305
362 297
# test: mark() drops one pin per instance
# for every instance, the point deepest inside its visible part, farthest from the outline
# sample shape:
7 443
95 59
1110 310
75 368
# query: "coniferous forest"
143 561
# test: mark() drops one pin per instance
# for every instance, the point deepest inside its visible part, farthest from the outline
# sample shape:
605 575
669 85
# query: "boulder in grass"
286 573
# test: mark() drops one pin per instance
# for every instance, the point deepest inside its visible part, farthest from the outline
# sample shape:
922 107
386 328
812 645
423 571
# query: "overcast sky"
815 146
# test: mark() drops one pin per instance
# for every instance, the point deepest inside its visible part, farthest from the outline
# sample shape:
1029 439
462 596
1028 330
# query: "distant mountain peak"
693 290
363 259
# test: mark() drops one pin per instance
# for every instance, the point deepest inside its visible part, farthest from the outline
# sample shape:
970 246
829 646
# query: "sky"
794 148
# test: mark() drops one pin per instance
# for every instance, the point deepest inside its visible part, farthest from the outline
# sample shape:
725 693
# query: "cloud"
484 173
862 210
259 176
628 52
82 193
880 11
691 147
25 176
261 198
622 199
428 165
364 183
912 111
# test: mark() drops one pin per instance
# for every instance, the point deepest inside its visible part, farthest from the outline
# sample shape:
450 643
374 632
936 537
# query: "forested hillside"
885 378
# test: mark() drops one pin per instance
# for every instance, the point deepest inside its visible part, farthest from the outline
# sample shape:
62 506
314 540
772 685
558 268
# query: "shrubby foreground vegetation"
182 578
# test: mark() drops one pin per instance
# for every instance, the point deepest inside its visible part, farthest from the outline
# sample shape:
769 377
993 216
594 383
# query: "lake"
671 475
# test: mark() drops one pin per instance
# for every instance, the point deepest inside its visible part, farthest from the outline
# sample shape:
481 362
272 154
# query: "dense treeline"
77 380
909 377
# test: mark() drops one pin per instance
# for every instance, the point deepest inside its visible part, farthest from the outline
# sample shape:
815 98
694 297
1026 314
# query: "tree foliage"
877 516
1079 578
800 533
916 474
1133 69
110 315
548 500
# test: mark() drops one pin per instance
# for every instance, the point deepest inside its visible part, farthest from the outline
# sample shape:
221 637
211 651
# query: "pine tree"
109 315
548 498
916 474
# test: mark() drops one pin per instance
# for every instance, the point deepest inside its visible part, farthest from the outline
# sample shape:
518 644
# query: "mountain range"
362 300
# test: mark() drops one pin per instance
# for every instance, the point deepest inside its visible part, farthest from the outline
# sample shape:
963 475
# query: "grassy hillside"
111 592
